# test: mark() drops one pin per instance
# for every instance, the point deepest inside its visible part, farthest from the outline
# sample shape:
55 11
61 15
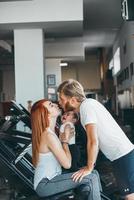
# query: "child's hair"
72 88
76 116
39 123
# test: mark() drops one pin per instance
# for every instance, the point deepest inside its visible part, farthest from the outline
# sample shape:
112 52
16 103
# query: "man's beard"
68 107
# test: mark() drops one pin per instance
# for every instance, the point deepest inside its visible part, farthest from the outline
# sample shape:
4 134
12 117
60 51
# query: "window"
117 66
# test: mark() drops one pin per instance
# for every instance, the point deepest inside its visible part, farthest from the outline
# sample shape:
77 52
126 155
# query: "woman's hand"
67 135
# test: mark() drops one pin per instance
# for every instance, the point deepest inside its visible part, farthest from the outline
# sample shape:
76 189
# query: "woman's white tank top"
47 167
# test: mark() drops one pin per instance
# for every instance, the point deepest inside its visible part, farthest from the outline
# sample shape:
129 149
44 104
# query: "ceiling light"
63 64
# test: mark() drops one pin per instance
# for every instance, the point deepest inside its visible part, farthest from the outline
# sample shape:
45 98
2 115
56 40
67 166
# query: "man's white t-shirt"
112 140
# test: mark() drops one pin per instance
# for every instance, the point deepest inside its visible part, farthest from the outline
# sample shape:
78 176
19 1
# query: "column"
29 65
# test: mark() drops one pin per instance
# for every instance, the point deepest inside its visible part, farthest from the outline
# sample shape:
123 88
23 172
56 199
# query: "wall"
125 41
52 66
8 86
65 50
87 73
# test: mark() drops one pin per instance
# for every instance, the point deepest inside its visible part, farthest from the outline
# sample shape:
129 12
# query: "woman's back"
47 167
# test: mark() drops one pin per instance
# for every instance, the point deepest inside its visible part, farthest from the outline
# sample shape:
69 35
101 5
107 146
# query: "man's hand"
78 176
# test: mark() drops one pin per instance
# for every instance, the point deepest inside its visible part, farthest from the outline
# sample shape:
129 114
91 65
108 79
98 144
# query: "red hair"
39 123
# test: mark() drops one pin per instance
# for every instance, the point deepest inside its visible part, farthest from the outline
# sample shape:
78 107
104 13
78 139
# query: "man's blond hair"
72 88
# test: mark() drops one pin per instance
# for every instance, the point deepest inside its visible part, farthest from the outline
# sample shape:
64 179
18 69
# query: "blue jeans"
64 182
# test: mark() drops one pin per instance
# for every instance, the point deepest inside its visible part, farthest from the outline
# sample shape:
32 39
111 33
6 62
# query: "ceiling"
102 21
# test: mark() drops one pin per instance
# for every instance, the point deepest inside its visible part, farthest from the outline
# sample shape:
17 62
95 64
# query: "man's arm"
92 145
92 151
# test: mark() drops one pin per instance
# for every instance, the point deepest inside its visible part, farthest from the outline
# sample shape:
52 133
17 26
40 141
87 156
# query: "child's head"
69 116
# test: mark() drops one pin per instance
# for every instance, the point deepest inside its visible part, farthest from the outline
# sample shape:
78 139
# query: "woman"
50 154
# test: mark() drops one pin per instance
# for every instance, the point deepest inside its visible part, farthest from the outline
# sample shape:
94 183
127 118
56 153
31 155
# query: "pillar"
29 65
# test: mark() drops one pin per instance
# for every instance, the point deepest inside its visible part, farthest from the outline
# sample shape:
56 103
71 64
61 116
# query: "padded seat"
60 196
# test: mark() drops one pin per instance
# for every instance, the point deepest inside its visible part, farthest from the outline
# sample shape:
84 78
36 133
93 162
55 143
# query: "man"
102 133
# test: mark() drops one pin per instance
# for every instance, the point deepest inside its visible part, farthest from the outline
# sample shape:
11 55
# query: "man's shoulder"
89 101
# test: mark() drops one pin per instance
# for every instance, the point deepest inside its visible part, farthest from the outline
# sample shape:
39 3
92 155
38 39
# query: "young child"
70 118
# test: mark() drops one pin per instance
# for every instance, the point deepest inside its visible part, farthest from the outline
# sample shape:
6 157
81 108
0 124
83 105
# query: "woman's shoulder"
53 141
47 136
51 136
49 133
